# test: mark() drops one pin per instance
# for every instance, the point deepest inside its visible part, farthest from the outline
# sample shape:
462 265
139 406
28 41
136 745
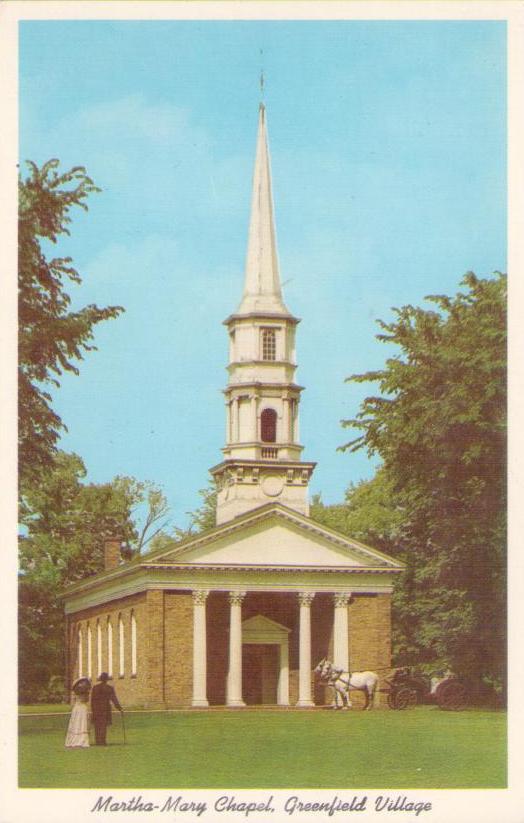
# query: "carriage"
406 688
409 687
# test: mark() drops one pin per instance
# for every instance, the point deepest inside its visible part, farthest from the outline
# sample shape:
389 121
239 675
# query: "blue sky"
387 141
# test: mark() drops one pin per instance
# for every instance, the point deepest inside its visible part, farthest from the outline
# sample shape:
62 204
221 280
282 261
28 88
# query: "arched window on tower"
268 426
269 344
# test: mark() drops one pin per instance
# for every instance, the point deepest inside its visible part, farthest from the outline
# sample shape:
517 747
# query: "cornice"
263 462
259 568
267 511
262 315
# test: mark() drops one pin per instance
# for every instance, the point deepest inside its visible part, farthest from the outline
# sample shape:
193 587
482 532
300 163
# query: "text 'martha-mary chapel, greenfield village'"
239 615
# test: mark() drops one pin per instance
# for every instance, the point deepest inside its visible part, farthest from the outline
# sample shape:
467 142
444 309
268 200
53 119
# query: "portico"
260 630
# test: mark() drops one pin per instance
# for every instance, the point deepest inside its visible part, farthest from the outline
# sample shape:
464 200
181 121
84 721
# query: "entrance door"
260 670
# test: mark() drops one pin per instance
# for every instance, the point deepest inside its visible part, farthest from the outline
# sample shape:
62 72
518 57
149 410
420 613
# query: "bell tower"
262 452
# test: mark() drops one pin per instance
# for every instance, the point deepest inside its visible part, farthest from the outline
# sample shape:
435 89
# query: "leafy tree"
200 520
204 517
439 426
51 335
369 513
64 522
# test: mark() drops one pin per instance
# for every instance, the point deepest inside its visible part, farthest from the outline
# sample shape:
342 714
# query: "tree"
439 426
51 336
64 522
370 513
200 520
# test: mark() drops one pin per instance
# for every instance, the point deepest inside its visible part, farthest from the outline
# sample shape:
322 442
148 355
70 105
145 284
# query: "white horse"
343 682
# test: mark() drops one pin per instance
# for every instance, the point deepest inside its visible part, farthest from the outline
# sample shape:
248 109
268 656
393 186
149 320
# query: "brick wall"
130 687
164 629
178 610
154 652
370 639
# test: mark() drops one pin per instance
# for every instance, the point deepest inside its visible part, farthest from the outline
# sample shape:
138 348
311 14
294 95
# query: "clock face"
272 485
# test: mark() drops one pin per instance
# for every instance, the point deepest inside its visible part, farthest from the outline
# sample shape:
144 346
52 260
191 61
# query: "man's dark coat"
102 696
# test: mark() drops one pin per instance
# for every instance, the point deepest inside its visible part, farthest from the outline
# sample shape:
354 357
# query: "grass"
420 748
45 708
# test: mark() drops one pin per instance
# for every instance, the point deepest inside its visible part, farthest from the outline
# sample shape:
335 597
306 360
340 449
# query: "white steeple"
262 290
262 456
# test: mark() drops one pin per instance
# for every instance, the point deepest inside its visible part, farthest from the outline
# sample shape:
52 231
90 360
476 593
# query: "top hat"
104 677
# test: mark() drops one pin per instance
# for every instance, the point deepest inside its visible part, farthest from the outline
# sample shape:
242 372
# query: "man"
102 696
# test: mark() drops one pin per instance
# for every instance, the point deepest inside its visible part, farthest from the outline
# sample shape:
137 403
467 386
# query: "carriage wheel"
451 696
402 698
391 700
413 698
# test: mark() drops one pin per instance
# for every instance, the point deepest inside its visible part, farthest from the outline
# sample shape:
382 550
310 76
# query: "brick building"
240 614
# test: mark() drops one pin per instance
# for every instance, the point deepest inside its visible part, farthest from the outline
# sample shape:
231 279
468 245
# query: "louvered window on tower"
268 426
269 344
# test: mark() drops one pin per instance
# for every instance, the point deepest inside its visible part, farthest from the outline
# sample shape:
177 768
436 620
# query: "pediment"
260 626
275 537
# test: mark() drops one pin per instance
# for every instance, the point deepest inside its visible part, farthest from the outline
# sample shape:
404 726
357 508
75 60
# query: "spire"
262 290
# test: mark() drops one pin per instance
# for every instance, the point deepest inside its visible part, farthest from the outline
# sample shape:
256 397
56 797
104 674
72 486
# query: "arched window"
269 344
89 659
268 426
98 647
109 647
133 645
121 646
80 653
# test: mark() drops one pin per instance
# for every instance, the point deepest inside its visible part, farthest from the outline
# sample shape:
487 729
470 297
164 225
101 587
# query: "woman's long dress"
78 730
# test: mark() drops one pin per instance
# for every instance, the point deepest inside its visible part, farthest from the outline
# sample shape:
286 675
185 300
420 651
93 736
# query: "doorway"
260 672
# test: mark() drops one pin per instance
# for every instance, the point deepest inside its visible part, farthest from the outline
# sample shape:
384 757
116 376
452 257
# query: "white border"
486 806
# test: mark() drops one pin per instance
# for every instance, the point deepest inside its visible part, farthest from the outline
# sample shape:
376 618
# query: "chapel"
240 614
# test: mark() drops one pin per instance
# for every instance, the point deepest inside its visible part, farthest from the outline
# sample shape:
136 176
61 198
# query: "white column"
283 676
199 649
228 422
304 675
340 630
234 675
286 430
254 422
236 436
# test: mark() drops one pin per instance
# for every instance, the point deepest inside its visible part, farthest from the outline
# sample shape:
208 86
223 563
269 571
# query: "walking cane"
123 725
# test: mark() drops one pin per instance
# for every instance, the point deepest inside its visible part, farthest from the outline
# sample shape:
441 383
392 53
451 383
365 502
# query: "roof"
271 537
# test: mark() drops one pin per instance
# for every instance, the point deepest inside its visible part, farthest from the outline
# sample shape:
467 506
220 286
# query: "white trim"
121 647
99 647
266 512
109 630
188 579
89 652
133 645
277 510
80 652
260 629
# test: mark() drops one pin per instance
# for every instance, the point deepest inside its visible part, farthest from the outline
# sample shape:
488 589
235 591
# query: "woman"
78 730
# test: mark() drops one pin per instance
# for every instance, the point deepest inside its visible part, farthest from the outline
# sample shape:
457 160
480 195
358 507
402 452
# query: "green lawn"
45 708
419 748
